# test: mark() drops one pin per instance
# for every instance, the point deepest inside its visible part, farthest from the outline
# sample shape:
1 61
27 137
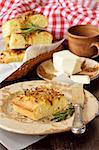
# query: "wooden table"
67 141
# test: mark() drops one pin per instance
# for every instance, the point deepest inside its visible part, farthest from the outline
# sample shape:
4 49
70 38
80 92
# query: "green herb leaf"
24 29
30 28
63 115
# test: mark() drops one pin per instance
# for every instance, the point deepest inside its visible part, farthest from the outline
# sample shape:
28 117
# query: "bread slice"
6 40
11 26
40 38
38 20
17 41
40 102
8 56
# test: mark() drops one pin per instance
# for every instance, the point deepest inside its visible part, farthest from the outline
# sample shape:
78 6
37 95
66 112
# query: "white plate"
13 122
46 69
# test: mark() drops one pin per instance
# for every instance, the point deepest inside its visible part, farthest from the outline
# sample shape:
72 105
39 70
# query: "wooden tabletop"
67 141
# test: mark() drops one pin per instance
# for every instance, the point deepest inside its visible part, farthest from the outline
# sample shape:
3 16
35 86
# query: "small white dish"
89 67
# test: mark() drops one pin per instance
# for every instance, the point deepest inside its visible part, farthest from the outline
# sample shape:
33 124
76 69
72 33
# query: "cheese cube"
66 62
11 26
17 41
83 79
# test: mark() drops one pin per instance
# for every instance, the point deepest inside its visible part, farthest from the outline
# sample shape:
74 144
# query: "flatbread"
9 56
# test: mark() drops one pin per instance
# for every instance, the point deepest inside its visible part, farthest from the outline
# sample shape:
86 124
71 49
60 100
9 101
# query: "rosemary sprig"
30 28
63 115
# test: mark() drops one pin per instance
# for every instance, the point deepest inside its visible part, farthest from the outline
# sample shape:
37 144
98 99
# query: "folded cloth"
61 13
31 52
14 141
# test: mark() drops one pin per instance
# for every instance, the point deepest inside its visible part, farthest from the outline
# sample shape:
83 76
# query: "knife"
78 126
78 97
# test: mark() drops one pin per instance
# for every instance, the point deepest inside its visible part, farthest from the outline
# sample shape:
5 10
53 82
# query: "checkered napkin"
61 13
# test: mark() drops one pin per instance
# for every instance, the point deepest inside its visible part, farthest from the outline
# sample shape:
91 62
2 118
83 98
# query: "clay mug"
83 40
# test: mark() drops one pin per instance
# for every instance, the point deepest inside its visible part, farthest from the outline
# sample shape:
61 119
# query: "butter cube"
66 62
83 79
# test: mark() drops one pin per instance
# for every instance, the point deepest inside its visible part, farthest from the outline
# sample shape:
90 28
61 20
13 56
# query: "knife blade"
77 99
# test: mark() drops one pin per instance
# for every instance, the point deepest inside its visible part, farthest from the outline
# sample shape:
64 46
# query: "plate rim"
37 69
59 131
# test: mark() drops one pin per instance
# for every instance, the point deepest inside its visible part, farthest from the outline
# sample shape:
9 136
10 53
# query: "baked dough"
40 102
15 37
8 56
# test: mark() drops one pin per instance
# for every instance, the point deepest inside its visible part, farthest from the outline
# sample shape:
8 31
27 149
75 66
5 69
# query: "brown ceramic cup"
83 40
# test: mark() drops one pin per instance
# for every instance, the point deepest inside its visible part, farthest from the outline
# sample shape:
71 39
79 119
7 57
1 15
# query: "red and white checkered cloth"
61 13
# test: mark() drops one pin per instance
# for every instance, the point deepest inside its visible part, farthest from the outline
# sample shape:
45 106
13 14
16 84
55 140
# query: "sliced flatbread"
40 102
28 29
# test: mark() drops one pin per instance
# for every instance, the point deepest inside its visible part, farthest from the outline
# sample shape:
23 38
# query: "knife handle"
78 126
